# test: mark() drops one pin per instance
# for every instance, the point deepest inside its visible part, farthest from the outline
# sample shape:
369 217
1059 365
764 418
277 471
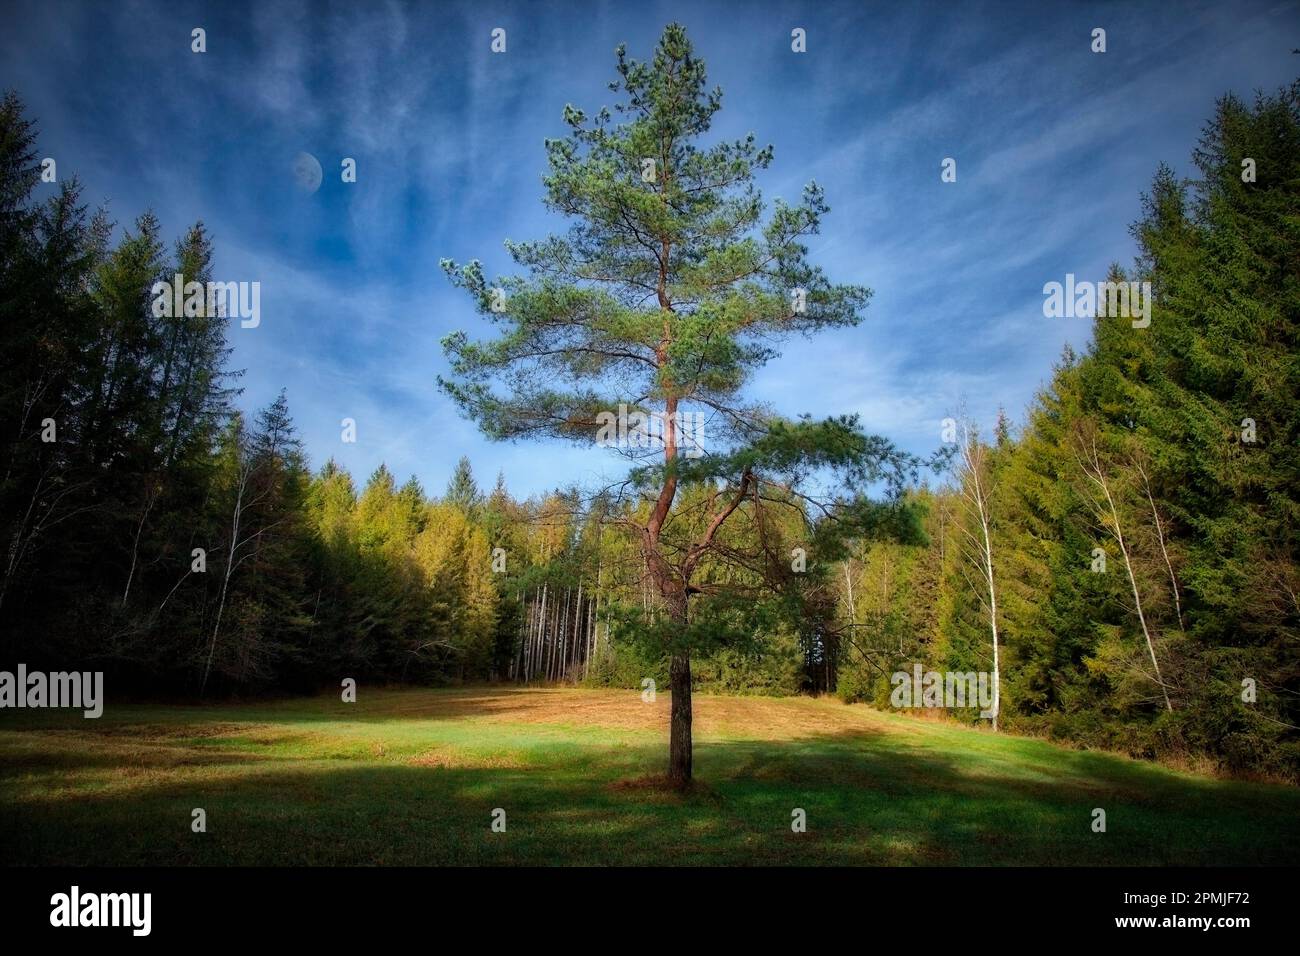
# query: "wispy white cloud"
1053 145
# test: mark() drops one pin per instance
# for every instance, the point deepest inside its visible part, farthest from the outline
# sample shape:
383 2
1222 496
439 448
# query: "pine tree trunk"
679 733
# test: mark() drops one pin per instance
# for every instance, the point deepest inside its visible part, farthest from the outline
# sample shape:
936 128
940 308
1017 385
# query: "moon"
307 172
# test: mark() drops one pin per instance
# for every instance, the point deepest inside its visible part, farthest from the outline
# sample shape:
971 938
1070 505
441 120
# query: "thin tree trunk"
549 667
531 608
548 640
541 633
577 623
230 567
533 630
1098 476
974 456
564 639
594 616
150 497
591 636
18 544
517 660
1164 552
993 620
848 581
1137 598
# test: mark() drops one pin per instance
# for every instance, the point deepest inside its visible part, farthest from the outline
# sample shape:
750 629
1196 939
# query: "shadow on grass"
869 799
374 705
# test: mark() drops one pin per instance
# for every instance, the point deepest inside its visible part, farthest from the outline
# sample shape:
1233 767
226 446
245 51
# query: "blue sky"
1054 145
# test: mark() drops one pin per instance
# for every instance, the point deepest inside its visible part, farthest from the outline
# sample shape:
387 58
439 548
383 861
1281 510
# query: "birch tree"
1107 511
977 545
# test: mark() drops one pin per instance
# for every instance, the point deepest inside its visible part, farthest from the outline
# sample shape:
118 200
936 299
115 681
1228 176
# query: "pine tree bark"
679 732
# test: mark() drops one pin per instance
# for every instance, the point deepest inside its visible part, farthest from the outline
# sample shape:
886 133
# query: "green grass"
412 777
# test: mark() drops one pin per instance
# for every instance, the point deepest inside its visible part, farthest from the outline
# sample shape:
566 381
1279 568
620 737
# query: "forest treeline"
1144 524
1131 550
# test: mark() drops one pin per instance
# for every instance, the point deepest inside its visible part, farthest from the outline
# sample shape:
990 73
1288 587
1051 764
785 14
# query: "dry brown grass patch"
755 718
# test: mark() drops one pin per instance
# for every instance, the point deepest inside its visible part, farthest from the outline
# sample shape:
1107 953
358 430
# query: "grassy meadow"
412 777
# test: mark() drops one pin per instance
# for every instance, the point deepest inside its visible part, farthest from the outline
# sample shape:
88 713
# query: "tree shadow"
867 798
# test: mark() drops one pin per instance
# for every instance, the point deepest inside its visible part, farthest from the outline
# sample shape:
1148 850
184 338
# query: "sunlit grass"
412 777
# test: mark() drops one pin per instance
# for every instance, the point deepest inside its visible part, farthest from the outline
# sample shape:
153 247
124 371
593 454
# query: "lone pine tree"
669 289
